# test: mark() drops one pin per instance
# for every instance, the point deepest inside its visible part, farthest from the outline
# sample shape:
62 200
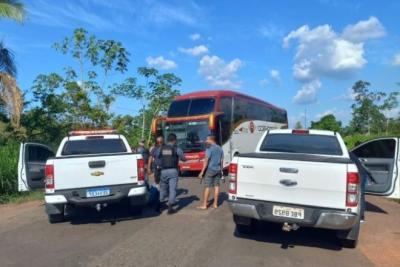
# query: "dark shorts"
212 178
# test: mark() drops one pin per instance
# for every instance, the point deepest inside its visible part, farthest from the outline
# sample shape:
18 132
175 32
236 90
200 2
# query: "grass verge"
18 198
396 200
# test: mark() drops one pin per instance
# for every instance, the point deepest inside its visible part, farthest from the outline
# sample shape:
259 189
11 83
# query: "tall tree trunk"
11 95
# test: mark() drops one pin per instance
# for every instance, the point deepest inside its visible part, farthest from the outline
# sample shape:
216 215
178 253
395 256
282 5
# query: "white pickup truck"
90 168
307 178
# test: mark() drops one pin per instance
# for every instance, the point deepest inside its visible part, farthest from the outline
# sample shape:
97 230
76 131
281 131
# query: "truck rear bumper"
77 197
314 216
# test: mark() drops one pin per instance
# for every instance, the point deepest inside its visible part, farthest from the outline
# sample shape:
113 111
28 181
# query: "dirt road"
114 237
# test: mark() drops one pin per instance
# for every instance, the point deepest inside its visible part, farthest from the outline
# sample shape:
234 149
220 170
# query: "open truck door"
31 165
378 164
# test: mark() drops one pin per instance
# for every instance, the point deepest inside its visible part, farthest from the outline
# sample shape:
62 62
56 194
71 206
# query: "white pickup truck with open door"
90 168
308 178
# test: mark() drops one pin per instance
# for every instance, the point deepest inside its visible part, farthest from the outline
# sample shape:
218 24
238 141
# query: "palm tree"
10 95
12 9
7 63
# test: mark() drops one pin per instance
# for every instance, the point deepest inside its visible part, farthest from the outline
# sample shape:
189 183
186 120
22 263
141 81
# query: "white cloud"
396 60
271 31
218 73
308 93
275 76
348 96
161 62
264 82
195 51
364 30
322 52
326 112
195 36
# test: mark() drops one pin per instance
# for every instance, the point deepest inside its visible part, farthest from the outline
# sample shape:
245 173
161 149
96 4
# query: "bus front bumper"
191 165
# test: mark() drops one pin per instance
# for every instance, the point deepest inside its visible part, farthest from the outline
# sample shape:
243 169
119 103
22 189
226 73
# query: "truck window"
383 148
93 146
307 144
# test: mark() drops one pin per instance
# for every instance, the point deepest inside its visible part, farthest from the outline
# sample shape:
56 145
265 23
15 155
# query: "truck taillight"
140 170
49 176
233 178
353 189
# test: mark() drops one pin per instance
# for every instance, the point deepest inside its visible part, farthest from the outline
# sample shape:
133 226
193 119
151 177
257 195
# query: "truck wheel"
244 225
349 238
56 218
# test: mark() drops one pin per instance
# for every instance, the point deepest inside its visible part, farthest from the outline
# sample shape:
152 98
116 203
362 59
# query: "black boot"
171 210
158 207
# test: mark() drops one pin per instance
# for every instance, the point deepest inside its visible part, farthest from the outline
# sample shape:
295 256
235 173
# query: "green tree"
10 95
367 115
390 103
155 95
298 125
327 122
12 9
79 97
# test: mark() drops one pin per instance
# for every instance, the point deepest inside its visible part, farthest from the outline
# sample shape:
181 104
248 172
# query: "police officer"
154 164
169 155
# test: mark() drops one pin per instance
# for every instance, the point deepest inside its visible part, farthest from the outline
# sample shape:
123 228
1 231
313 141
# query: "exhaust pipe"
286 227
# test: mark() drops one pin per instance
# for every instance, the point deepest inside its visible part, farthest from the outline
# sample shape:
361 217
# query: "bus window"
201 106
240 111
179 108
226 117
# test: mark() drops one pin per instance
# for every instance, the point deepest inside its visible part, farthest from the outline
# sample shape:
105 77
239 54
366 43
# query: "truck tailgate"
81 172
321 184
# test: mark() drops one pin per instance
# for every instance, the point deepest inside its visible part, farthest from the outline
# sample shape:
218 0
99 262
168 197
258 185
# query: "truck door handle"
97 164
288 182
289 170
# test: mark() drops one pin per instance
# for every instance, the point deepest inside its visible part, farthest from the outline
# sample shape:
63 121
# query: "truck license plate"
98 192
288 212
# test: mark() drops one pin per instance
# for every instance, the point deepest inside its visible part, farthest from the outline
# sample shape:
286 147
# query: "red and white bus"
237 120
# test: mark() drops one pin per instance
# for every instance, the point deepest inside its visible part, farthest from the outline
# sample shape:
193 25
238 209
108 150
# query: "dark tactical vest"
169 157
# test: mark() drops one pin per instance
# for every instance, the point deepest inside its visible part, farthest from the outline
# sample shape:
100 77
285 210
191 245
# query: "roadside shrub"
8 170
356 139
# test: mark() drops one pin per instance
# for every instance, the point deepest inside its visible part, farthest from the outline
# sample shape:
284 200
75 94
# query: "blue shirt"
214 154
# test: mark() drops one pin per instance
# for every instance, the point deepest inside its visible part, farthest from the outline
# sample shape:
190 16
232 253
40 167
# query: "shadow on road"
373 208
111 214
306 237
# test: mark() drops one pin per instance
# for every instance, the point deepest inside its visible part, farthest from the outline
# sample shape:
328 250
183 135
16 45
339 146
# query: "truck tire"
244 225
349 238
56 218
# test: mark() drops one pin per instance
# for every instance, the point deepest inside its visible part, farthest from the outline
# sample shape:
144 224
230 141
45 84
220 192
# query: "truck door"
31 165
378 161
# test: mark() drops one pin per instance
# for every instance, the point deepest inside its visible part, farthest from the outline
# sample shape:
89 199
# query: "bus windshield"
191 107
191 135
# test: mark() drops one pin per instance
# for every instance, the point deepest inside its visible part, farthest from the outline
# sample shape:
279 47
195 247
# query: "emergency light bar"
92 132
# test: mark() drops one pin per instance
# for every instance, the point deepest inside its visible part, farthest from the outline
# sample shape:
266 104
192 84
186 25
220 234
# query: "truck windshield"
191 135
93 146
191 107
307 144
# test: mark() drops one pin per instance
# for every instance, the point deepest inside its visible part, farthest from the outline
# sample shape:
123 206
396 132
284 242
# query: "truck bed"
309 180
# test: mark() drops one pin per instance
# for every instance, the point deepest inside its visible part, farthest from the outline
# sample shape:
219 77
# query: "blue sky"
295 54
